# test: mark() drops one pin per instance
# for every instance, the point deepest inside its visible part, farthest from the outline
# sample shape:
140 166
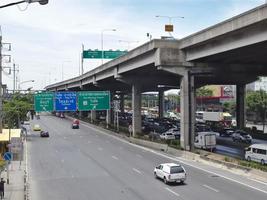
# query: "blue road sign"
8 156
65 101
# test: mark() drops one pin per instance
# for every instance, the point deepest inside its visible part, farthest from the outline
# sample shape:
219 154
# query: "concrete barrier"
149 144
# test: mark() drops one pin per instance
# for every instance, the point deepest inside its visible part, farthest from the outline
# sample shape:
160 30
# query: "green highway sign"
97 54
92 54
113 54
93 100
44 102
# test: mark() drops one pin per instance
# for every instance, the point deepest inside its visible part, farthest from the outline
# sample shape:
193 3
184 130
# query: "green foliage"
257 102
229 106
16 109
204 92
252 164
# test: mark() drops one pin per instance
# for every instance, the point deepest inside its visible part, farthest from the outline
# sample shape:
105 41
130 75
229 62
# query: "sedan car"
44 134
36 127
167 136
241 136
226 132
170 172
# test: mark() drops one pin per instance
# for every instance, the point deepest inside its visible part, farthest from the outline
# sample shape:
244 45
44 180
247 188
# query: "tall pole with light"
41 2
102 43
169 27
24 82
62 69
128 43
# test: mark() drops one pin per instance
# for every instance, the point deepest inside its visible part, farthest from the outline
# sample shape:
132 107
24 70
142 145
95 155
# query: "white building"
261 84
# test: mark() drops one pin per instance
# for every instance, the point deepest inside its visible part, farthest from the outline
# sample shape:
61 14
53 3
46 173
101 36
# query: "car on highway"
241 136
75 124
257 153
227 132
167 136
37 127
44 134
170 172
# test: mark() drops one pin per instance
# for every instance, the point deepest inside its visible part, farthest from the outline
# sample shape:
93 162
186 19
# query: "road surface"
89 164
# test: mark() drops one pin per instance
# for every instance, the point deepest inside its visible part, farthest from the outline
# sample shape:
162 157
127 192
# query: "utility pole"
82 59
1 86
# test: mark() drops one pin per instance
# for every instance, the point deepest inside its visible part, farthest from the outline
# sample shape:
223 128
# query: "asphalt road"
89 164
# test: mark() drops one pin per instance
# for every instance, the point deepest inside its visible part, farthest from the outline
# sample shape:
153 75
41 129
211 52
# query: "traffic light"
42 2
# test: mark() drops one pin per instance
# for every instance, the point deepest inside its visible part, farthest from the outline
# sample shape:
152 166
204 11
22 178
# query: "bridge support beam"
187 107
161 103
240 105
136 106
122 103
93 115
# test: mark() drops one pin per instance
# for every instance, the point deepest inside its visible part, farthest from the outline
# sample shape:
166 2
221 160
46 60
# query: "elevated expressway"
231 52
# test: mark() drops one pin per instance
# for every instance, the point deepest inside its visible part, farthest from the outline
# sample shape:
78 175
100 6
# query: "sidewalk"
15 189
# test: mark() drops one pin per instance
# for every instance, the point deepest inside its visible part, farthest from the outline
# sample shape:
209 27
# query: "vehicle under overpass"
232 52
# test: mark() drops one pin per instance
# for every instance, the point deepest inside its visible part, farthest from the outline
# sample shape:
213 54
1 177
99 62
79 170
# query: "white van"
257 152
205 140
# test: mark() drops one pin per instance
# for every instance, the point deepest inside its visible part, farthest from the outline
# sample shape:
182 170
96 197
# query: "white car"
167 136
170 172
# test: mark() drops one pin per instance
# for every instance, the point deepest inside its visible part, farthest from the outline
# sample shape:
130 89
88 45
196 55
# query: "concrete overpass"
231 52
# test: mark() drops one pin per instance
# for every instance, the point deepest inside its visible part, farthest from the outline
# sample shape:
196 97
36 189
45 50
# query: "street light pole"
102 43
128 43
24 82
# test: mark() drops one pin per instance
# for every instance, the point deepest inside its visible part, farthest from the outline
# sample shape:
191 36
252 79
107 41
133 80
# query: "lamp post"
24 82
102 42
62 71
128 43
169 17
169 27
41 2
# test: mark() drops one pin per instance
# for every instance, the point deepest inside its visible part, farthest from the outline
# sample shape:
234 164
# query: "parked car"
257 153
167 136
241 136
44 134
36 127
170 172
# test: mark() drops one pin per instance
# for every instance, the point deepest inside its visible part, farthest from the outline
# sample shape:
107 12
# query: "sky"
47 40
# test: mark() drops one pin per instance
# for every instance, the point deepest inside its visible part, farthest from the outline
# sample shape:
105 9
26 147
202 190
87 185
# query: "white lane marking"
100 148
107 141
144 149
136 170
211 188
65 138
176 194
81 136
121 148
138 155
62 161
265 183
114 157
89 142
96 135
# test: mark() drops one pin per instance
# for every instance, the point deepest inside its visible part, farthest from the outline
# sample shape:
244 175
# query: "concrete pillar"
187 107
109 112
136 106
240 105
93 115
161 103
122 103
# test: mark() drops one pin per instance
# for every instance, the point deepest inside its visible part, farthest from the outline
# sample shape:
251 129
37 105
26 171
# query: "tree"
16 109
204 92
257 102
229 106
